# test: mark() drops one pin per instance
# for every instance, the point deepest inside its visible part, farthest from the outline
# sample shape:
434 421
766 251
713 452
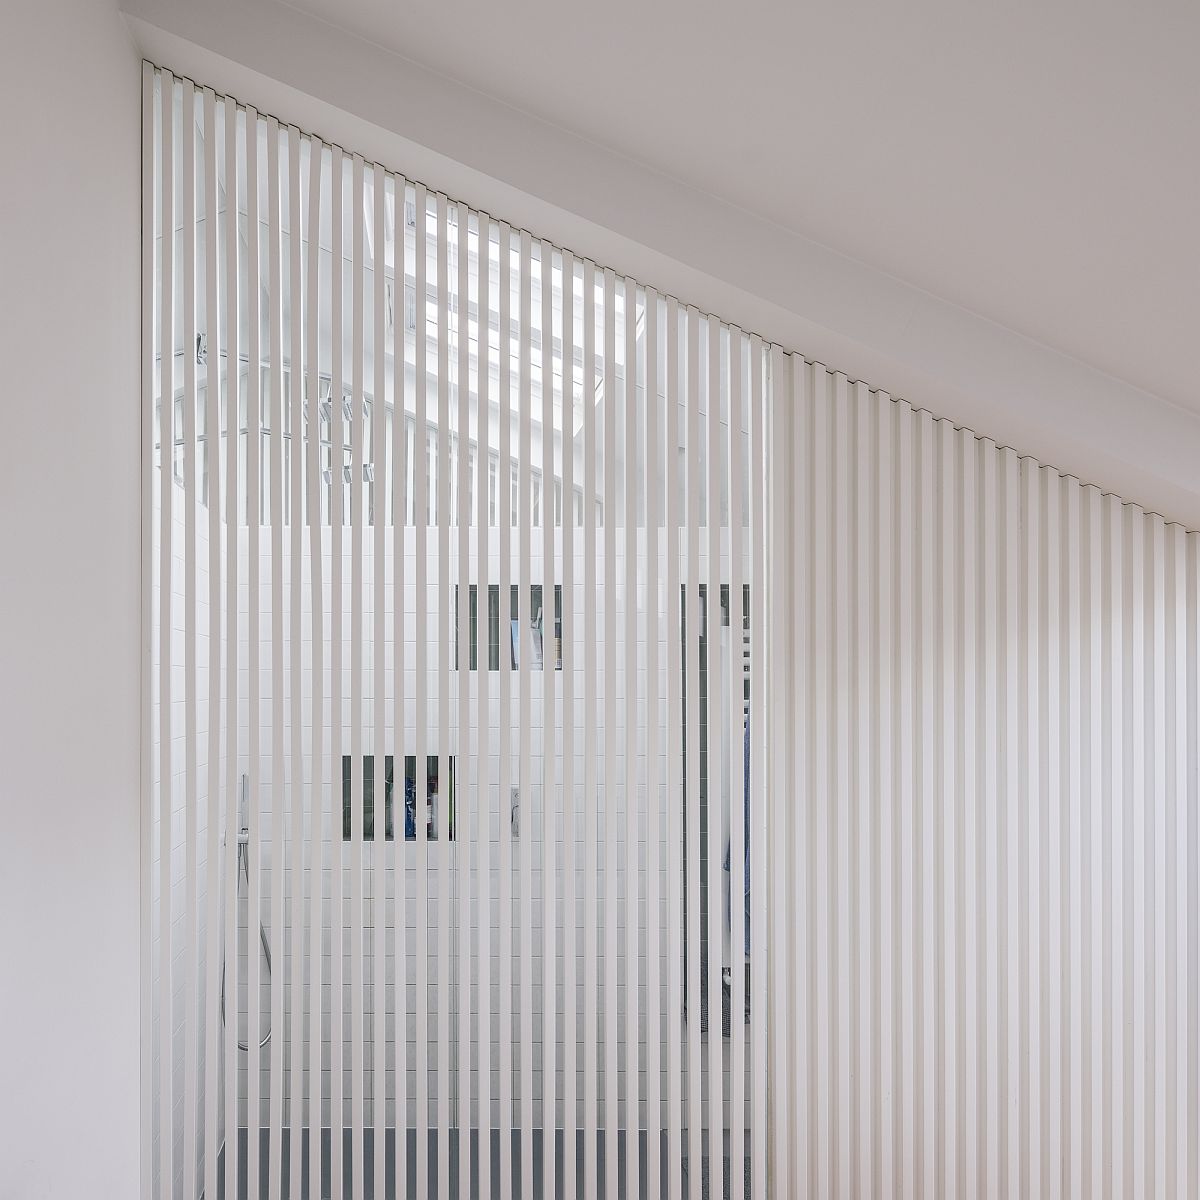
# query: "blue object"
410 809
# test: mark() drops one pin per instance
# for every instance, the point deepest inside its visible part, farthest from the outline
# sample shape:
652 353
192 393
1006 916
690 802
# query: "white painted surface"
69 604
1042 213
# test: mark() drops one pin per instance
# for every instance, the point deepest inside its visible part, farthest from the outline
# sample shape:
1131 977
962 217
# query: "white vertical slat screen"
993 745
449 841
426 922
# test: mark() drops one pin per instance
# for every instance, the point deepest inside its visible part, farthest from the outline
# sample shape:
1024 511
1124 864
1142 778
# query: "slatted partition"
985 952
457 548
596 754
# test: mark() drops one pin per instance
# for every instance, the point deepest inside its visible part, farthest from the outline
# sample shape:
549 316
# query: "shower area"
454 569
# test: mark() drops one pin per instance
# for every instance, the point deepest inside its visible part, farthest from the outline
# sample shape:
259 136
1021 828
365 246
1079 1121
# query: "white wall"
69 602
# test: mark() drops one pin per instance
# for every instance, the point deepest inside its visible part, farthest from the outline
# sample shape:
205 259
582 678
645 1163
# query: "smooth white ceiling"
1038 165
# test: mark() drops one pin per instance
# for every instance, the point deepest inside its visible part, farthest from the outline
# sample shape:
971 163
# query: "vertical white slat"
995 827
758 792
401 855
1072 879
821 796
983 749
216 801
872 420
505 517
1032 520
1191 800
907 700
867 865
1081 1183
525 710
1018 819
1157 862
634 1011
484 774
819 393
378 489
1053 1064
591 851
277 792
1096 823
1161 863
997 739
609 789
655 1027
151 261
889 906
604 499
337 608
785 703
691 626
1177 842
190 650
716 777
781 819
1069 875
298 794
441 821
926 844
166 690
833 820
841 793
254 487
737 795
1013 802
1135 880
357 683
924 801
316 582
948 572
674 795
932 618
973 1047
570 795
986 833
861 1107
1167 972
989 637
982 687
550 794
1086 1182
1143 784
421 517
1171 943
230 983
832 809
797 380
463 740
1114 737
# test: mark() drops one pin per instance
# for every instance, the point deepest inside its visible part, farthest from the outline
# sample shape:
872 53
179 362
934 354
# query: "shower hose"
243 870
243 866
